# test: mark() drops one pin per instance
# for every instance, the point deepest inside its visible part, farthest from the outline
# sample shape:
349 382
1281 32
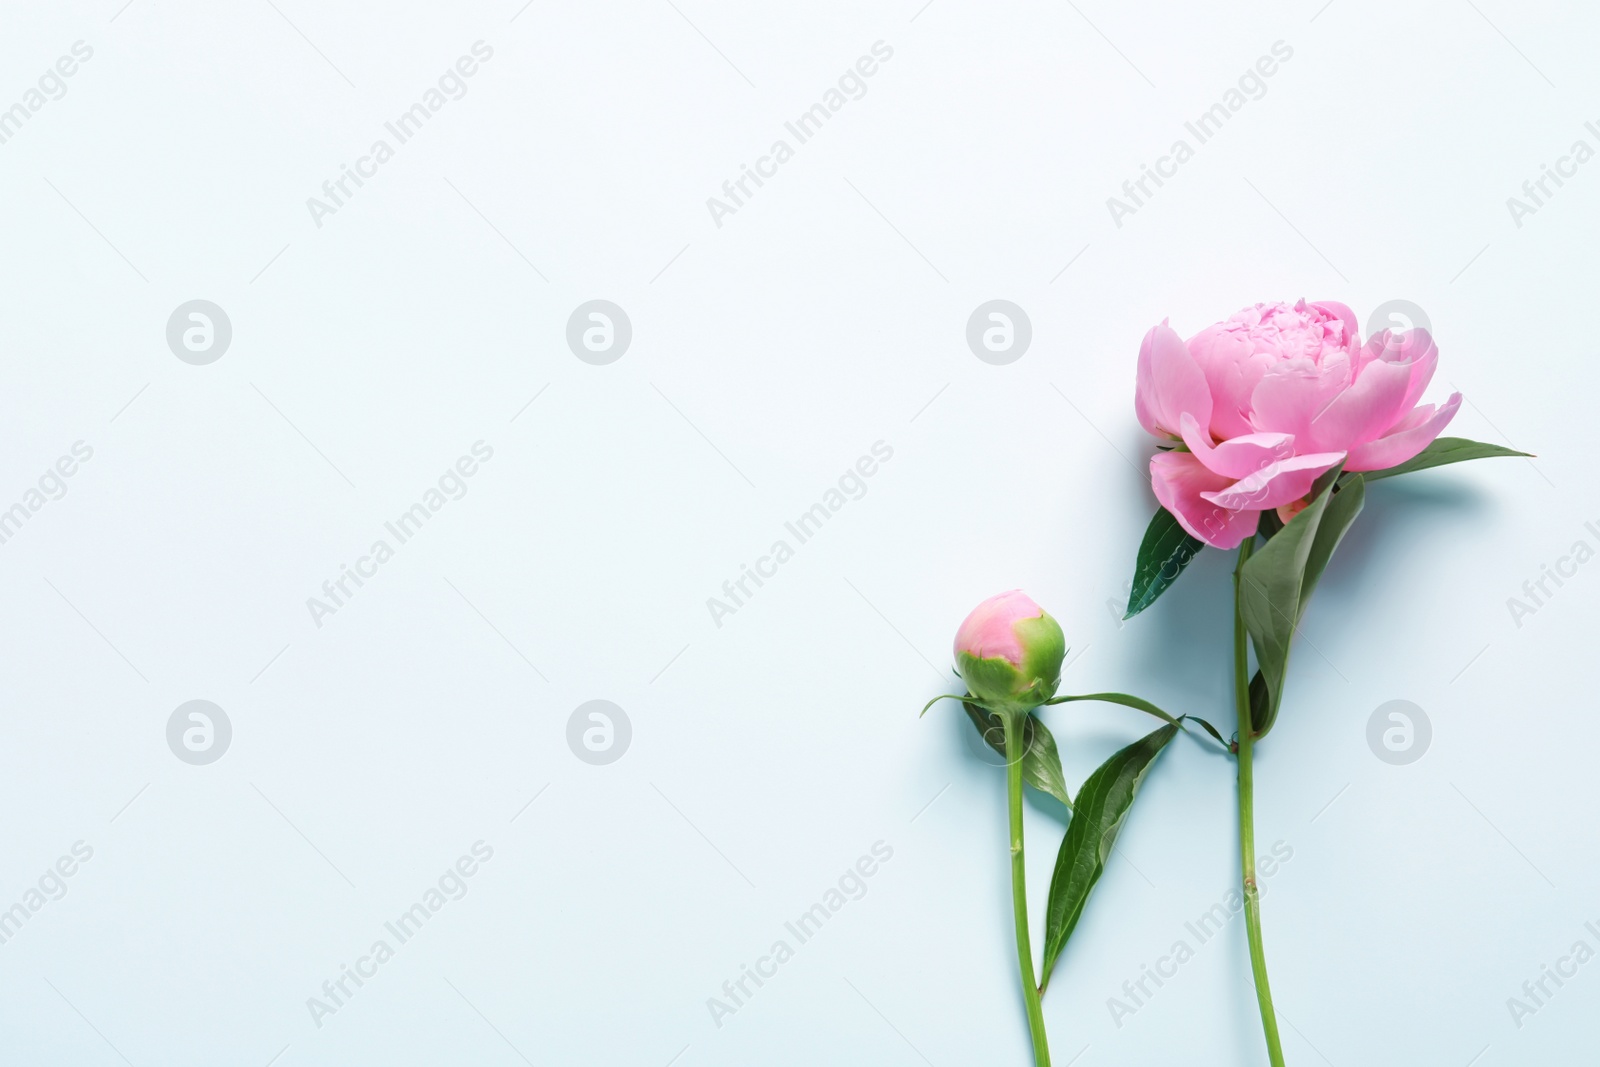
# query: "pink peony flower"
1009 652
1268 400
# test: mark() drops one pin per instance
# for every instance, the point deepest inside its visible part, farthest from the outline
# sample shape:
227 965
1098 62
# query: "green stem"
1014 722
1247 829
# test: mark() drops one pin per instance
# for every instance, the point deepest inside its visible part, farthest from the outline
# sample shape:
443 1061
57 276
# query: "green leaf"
1041 763
1260 702
1268 589
1166 549
1103 804
935 700
1342 511
1270 524
1212 730
1275 584
1124 699
1445 450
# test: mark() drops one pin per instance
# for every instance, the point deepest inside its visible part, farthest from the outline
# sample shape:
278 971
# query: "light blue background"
768 354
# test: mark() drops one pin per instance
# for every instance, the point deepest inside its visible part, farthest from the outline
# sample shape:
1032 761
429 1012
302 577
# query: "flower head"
1264 402
1009 652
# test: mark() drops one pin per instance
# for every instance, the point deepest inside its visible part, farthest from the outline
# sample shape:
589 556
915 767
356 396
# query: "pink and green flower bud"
1009 652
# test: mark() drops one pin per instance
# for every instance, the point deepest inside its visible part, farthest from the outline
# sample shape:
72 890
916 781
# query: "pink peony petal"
1414 418
1272 487
1365 410
1290 395
1424 356
1413 347
1411 435
991 630
1232 370
1352 328
1179 479
1170 383
1239 456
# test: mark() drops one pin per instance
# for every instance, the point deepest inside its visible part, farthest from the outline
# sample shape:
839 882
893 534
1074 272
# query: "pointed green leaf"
1041 763
1275 583
1269 600
941 696
1166 549
1137 703
1103 804
1445 450
1342 511
1212 730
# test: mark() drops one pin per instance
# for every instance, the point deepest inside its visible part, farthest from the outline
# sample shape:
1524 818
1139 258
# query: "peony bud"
1009 653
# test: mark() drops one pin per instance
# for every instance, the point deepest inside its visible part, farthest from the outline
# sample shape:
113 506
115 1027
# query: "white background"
768 354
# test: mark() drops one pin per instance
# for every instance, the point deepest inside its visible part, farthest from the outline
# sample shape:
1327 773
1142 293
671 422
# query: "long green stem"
1014 723
1247 828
